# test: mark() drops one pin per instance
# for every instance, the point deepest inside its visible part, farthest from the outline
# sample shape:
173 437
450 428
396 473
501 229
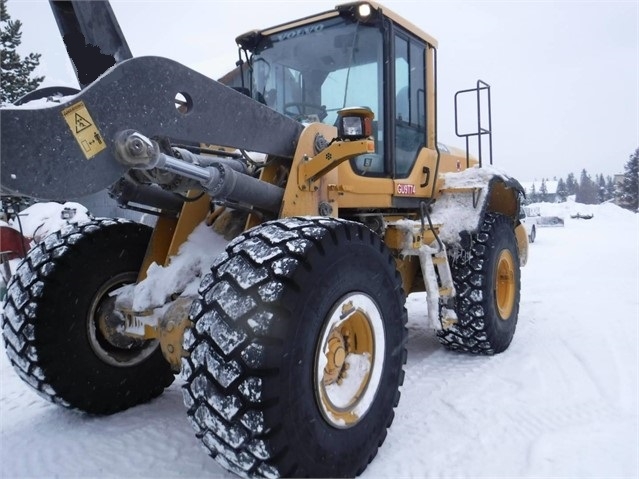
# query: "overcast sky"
564 75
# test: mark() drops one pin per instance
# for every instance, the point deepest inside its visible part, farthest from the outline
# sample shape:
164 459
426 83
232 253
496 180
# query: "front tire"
52 318
487 281
286 307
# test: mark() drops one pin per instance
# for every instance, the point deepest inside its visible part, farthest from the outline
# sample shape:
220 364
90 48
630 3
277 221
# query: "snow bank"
606 211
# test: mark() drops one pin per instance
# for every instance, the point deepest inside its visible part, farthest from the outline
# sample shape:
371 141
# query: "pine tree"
571 184
543 190
562 191
587 191
16 73
601 189
610 188
628 190
533 197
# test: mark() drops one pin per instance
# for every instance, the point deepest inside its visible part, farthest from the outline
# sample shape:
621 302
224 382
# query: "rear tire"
282 308
49 324
487 281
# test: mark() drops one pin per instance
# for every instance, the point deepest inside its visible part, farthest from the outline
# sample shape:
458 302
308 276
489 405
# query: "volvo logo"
299 32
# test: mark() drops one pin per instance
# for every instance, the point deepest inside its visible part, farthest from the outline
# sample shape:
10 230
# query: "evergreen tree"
628 190
533 197
571 184
610 188
587 192
601 189
15 72
543 191
562 191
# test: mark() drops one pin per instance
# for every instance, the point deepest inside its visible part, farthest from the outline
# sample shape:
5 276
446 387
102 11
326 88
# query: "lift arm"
67 150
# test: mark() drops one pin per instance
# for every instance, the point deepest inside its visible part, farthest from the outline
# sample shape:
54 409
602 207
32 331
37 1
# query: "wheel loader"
317 159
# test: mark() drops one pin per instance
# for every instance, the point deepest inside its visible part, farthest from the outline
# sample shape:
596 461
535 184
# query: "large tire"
49 325
487 281
265 350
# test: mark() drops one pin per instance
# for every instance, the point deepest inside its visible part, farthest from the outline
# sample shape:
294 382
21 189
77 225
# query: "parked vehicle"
530 224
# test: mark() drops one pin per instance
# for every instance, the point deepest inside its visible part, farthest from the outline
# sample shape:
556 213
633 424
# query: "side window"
402 72
410 128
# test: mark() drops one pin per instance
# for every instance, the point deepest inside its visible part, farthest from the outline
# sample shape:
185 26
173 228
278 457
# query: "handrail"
481 131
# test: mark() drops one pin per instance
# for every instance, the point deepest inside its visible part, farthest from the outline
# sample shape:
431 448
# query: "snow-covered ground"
562 401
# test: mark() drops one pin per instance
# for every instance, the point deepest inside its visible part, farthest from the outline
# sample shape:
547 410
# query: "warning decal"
81 123
84 129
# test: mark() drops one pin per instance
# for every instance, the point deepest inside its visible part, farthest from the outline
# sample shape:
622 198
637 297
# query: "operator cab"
312 68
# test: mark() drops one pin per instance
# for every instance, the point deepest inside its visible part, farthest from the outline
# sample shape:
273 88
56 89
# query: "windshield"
311 72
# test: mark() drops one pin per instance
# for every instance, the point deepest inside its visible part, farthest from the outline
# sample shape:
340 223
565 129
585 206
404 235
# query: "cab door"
413 163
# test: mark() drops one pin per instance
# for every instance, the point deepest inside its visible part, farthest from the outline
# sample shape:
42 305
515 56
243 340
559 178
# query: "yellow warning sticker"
84 129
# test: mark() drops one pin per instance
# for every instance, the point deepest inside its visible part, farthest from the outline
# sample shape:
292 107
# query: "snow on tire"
53 303
487 281
296 354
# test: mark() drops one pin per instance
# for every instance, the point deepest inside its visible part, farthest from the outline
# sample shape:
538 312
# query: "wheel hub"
110 322
335 358
105 326
349 360
505 287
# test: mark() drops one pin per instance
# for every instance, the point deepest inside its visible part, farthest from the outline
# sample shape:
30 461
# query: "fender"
475 192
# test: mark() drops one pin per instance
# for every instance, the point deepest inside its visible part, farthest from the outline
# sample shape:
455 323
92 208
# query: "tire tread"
283 246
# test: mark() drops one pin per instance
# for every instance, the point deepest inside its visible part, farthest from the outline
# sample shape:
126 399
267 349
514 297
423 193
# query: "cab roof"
248 39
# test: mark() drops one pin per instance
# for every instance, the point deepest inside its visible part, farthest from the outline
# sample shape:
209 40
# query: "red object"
12 244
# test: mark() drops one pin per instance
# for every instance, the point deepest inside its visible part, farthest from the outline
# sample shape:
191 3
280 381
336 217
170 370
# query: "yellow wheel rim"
349 360
505 287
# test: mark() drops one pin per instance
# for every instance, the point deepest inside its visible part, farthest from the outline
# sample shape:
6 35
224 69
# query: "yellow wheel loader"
317 158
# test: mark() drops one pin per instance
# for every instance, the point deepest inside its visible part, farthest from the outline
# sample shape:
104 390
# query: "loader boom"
85 126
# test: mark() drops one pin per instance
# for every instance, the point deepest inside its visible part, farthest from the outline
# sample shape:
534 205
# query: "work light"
354 123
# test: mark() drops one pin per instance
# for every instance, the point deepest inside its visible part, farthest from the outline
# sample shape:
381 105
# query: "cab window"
410 102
